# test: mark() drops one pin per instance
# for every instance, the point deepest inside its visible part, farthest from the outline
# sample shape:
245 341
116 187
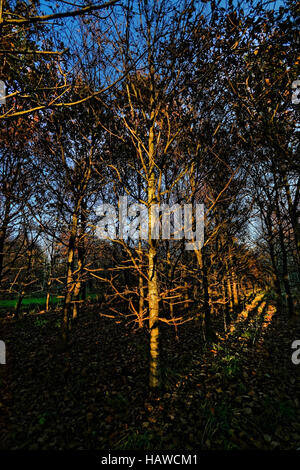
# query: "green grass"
32 301
29 301
133 439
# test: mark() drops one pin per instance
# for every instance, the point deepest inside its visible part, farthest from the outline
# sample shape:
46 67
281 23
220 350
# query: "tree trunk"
285 274
19 303
153 296
3 231
206 304
229 294
70 282
153 302
227 309
293 212
141 287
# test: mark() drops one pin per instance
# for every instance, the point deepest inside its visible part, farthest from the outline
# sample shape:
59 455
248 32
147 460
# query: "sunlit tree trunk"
234 289
204 284
81 259
229 292
70 283
153 298
169 276
227 318
141 287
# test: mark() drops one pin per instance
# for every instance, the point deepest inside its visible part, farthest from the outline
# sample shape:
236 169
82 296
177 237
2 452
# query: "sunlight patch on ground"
245 313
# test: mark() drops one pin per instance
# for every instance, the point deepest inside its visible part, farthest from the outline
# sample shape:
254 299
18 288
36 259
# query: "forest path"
245 390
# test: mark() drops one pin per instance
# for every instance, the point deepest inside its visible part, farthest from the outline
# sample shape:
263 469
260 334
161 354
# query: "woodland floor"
243 392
